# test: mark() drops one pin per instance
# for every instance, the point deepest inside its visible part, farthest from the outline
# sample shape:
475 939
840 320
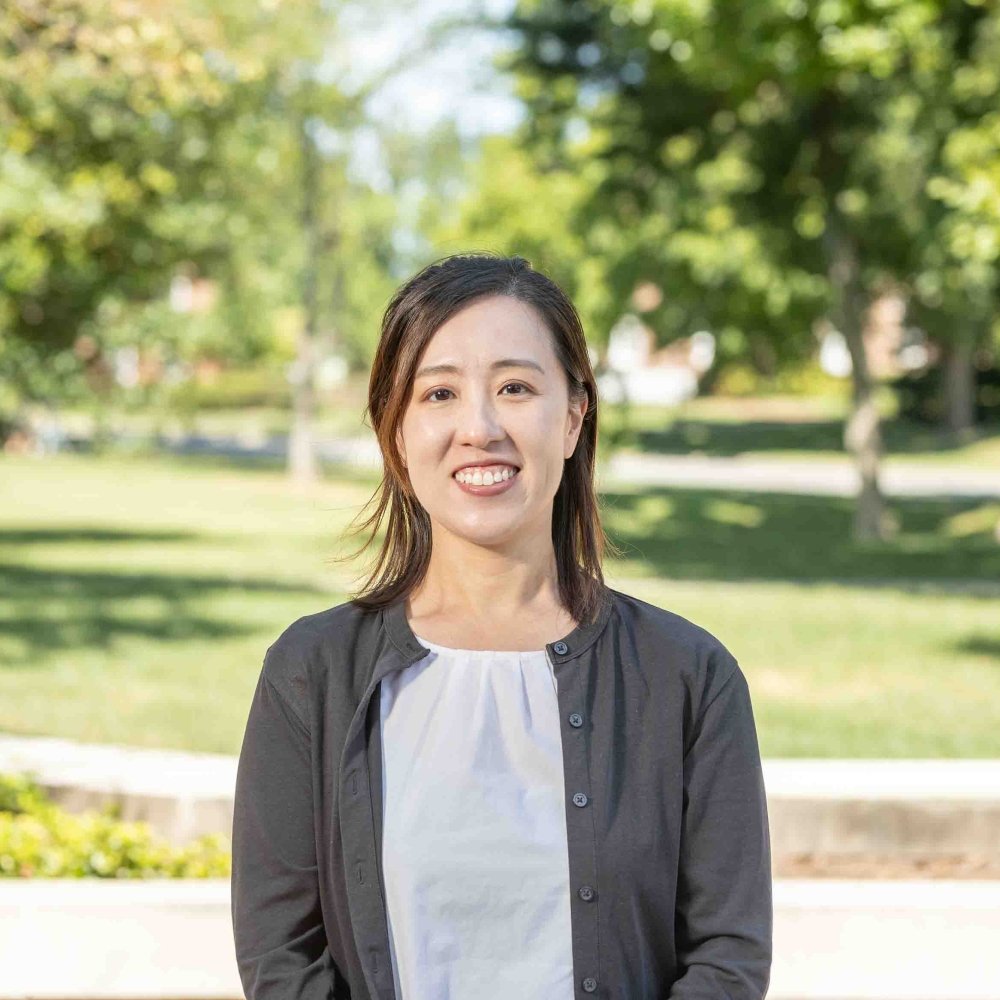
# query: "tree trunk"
862 436
302 465
960 381
763 356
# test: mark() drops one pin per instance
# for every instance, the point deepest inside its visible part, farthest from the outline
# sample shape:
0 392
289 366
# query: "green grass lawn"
139 596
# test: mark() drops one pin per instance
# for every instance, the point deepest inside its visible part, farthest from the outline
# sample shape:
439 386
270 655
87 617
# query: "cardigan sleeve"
724 913
281 944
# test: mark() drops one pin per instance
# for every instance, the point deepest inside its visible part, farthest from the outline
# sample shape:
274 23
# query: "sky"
454 80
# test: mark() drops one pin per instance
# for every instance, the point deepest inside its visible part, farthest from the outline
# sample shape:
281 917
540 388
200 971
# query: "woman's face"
497 396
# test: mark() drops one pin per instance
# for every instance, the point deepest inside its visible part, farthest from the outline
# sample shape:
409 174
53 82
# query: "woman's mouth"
486 480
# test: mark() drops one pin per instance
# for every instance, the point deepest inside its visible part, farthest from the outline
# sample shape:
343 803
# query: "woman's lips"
487 491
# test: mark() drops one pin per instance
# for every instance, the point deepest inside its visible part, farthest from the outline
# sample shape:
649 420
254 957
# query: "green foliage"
806 380
96 162
40 840
25 373
922 398
232 389
513 207
745 149
137 145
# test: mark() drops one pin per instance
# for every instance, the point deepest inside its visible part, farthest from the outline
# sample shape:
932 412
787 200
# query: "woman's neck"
514 609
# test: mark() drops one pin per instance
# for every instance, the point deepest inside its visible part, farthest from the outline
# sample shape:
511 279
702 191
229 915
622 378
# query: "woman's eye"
433 393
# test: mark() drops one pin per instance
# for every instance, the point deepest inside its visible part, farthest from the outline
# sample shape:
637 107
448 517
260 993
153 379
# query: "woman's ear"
399 445
576 414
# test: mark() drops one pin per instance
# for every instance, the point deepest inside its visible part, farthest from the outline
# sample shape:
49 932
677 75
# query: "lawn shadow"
720 438
701 534
90 609
70 536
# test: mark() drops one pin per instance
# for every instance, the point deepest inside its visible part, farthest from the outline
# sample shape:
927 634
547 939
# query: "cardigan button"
561 647
580 799
576 720
586 893
589 985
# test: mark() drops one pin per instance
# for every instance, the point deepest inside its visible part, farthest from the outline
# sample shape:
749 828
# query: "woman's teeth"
487 476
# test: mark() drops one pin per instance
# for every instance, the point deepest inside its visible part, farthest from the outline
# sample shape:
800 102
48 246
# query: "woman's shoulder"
312 646
340 622
663 625
697 654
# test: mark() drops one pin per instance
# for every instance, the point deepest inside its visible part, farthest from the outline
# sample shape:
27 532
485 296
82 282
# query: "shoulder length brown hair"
418 308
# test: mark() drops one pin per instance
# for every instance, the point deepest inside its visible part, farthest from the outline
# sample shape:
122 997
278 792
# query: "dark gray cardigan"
669 848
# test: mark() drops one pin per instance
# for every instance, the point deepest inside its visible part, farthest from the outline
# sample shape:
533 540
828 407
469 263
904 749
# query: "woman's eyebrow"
449 369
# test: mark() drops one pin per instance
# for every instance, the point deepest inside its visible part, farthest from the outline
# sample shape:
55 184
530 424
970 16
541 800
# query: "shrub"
38 839
921 395
802 379
233 389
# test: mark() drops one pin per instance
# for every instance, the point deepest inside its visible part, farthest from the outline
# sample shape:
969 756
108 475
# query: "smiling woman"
483 362
488 773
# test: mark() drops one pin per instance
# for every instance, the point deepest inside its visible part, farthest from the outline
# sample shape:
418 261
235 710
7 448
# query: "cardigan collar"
569 646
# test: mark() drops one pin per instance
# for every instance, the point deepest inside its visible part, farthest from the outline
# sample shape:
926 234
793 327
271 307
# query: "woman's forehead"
489 332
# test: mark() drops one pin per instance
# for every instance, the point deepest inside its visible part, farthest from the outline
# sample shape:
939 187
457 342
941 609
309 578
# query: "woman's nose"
479 421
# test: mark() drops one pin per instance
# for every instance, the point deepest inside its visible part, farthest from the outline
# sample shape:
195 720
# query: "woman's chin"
486 530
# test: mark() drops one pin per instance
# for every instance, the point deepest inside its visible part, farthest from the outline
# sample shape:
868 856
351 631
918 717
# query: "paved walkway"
824 477
820 477
171 939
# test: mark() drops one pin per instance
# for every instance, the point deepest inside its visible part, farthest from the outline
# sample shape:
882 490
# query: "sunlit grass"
139 597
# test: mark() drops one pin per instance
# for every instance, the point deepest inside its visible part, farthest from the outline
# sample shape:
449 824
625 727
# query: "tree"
954 286
511 207
746 147
217 140
105 110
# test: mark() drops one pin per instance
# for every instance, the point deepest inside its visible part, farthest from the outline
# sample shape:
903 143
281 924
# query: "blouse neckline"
580 638
436 647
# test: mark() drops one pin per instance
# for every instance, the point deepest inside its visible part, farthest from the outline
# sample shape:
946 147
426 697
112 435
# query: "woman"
489 774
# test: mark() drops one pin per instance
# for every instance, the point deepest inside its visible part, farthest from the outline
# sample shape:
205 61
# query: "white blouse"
474 852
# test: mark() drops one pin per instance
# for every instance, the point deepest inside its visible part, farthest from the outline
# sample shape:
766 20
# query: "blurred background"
780 222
